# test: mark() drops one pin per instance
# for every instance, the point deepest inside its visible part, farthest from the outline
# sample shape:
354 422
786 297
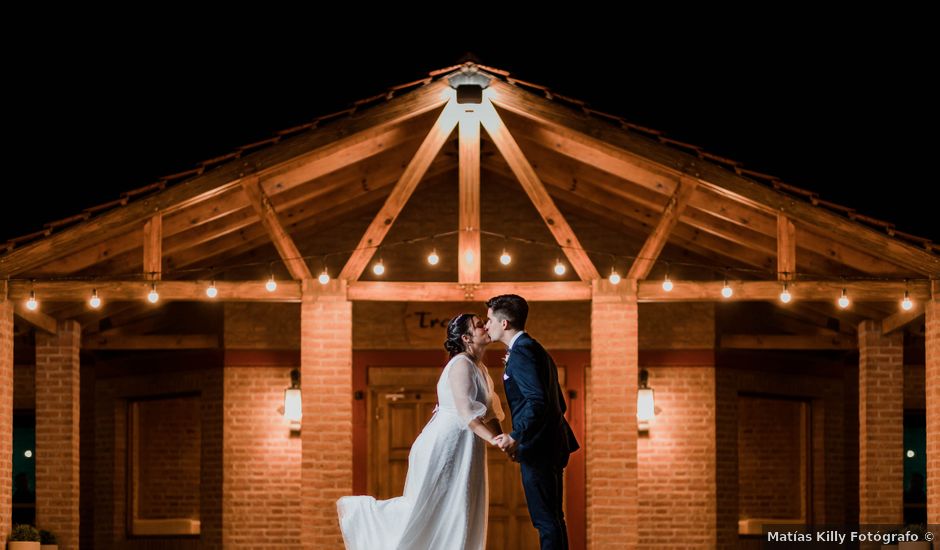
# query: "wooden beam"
652 158
332 139
786 248
402 192
153 247
152 341
534 188
657 240
454 292
819 291
468 248
786 341
285 246
902 318
193 291
35 319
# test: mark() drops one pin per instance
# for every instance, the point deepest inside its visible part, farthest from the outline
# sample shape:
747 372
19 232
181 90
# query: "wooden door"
397 413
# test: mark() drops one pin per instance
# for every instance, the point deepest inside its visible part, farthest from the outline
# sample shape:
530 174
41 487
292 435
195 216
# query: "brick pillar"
326 436
612 495
933 406
6 414
881 425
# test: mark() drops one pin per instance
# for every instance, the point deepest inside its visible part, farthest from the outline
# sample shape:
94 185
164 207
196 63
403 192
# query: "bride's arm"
463 388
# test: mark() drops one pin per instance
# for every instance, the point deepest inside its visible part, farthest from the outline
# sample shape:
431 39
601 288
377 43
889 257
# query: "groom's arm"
532 416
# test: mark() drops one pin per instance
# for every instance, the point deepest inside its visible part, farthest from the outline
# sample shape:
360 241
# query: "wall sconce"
293 411
645 409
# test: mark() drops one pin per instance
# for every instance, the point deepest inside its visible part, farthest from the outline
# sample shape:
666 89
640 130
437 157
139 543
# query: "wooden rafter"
36 319
406 185
820 291
535 189
153 247
282 242
453 292
468 249
657 240
653 158
786 248
212 183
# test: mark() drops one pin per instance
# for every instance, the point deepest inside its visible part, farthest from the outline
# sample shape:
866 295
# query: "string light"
31 303
614 276
153 296
379 268
843 300
94 301
324 277
667 283
271 285
726 291
785 294
505 258
559 267
211 290
433 258
906 303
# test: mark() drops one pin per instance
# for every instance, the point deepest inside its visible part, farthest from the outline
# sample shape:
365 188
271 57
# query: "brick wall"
121 381
933 409
262 461
6 414
881 421
771 457
167 436
677 466
57 432
327 464
611 451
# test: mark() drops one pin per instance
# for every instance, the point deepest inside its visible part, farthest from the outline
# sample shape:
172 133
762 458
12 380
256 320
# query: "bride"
445 499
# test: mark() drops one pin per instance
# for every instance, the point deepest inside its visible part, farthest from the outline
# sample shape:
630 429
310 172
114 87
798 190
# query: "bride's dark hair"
456 328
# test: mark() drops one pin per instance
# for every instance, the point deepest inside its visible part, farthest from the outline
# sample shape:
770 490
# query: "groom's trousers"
543 485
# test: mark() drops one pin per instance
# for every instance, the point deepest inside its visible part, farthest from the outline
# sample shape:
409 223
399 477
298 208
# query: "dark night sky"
852 119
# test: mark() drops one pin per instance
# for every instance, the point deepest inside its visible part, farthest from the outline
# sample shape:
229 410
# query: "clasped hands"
507 444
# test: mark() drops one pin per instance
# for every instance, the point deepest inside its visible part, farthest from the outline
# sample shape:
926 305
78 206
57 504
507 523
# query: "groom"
541 438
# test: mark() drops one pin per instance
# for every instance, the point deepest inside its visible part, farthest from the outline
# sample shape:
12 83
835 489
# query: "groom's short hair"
510 307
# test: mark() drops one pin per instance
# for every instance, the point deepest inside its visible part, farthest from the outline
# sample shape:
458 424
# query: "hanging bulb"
843 300
271 285
211 290
906 303
378 268
559 268
324 277
785 295
505 258
94 301
31 303
667 283
153 296
614 276
433 258
726 290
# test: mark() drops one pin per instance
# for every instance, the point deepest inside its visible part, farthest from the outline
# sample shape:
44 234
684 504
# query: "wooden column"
881 425
611 449
326 434
468 249
6 413
57 432
932 311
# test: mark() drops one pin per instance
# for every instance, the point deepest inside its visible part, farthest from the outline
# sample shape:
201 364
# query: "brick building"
161 425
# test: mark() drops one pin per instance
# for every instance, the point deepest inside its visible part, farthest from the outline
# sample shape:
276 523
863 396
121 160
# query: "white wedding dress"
444 506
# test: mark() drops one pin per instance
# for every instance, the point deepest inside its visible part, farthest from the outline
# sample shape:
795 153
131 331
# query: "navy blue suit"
543 435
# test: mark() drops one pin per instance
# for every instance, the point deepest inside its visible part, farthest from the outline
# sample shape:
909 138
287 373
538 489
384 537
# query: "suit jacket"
537 405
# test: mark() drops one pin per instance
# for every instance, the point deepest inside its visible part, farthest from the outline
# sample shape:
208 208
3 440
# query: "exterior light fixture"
293 411
645 409
469 84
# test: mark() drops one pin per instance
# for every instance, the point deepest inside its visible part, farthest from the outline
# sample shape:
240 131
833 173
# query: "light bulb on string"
726 290
559 267
907 304
379 268
614 276
843 300
667 283
94 301
211 290
785 296
271 285
324 277
32 304
505 258
433 258
153 296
